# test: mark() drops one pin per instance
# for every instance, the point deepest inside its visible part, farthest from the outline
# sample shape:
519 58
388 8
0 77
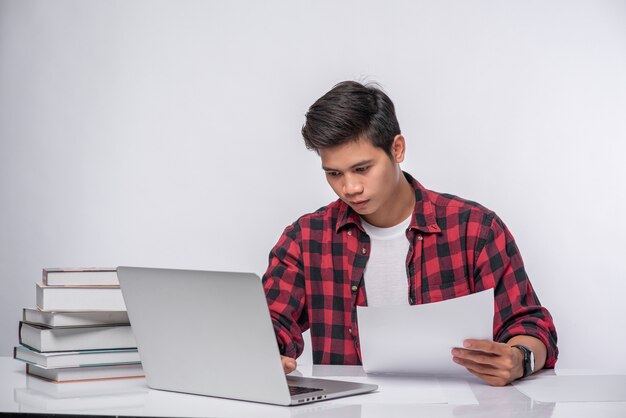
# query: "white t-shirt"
386 281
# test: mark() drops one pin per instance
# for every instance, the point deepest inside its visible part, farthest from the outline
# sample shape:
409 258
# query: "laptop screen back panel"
176 316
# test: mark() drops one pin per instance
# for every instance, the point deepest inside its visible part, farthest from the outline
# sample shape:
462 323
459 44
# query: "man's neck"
397 210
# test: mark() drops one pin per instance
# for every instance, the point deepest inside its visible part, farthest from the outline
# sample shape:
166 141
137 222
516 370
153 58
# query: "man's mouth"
359 203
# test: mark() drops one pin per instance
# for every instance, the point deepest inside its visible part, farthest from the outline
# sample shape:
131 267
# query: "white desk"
131 397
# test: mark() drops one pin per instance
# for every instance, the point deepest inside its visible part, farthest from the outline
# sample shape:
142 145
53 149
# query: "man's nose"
352 186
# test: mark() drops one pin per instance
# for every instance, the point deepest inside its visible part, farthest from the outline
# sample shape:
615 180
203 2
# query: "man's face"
364 176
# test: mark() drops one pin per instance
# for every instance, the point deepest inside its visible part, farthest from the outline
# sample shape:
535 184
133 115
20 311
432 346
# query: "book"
85 389
89 276
73 374
79 298
58 359
44 339
74 318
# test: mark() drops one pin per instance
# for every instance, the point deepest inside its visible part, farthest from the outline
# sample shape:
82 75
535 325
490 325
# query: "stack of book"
79 330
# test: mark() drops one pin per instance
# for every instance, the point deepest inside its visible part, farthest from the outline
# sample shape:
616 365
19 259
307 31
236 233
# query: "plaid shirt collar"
423 218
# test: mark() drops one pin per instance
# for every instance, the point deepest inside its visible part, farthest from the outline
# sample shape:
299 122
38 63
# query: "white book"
89 276
79 298
74 318
74 374
44 339
85 389
58 359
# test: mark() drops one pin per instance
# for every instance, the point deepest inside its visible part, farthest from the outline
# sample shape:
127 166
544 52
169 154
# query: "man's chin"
364 211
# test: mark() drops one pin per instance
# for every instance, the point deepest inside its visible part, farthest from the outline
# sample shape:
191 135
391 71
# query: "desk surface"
132 397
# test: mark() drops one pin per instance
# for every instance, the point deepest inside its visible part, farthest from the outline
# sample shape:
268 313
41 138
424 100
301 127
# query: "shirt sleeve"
285 293
517 309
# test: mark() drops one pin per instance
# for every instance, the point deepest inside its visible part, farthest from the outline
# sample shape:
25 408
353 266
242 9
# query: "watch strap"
526 359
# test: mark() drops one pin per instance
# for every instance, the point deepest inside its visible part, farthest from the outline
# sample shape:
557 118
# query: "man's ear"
398 148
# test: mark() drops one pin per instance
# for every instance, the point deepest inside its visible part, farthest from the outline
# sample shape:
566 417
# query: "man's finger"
482 368
505 361
486 346
289 364
475 356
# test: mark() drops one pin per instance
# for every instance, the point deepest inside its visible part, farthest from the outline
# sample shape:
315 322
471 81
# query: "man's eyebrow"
358 164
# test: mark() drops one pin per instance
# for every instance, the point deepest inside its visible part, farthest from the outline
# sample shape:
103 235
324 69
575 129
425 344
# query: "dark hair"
350 111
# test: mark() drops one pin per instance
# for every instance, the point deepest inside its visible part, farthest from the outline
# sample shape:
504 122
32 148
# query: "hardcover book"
86 389
89 276
45 339
79 298
74 374
74 318
59 359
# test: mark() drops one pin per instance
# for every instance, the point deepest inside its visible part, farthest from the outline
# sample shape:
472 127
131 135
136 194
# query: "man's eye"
332 173
362 169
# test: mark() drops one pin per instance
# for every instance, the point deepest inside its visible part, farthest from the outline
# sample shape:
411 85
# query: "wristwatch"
528 359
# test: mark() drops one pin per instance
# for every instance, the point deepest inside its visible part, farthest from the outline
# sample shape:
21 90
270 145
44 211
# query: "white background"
167 133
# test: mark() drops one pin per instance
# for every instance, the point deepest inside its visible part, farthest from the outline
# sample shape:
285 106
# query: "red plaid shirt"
457 247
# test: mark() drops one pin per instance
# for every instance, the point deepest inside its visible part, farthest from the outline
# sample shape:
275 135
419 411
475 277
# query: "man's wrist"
528 359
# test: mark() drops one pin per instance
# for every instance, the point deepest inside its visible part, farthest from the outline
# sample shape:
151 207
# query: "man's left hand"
498 364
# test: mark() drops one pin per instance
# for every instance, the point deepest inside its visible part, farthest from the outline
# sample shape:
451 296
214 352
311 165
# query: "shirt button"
349 232
354 288
363 250
350 331
420 237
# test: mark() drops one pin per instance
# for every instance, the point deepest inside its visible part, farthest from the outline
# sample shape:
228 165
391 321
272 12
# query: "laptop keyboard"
299 390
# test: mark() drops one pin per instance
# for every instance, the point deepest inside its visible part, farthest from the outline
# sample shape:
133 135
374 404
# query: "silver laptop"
210 333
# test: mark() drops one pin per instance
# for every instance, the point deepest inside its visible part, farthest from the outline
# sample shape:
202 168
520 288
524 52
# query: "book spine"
19 333
39 296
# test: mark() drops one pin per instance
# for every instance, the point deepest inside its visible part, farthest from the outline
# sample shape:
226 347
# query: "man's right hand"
289 364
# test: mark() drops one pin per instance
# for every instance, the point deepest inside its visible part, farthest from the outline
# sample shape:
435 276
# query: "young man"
388 240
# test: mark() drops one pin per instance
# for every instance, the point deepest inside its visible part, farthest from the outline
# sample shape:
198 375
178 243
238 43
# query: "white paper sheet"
551 388
418 339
